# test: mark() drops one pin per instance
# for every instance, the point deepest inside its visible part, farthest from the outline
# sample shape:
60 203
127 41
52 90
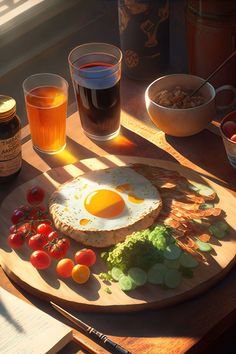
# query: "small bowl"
181 122
230 146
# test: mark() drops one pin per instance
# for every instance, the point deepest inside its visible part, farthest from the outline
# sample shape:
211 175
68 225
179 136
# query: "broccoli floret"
158 236
141 249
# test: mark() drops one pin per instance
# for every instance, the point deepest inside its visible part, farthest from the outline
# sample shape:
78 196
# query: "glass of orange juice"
46 97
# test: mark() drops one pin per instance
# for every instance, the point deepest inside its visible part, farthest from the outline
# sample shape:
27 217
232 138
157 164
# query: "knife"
101 338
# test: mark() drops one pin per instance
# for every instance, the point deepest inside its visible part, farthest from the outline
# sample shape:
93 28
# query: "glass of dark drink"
95 71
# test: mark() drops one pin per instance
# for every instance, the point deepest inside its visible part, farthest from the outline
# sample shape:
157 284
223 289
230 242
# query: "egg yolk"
134 199
104 203
84 222
122 188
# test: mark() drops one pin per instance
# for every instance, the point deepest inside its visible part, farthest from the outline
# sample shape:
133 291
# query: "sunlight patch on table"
73 170
122 141
94 164
14 10
67 157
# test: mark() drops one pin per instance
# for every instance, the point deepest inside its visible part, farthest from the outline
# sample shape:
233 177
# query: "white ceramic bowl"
180 122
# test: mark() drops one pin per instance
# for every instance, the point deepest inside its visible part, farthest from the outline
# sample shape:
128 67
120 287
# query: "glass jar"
10 140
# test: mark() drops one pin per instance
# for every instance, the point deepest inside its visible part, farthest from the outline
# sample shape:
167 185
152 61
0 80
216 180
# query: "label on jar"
10 155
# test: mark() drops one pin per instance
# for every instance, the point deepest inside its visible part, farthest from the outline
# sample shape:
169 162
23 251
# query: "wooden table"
188 326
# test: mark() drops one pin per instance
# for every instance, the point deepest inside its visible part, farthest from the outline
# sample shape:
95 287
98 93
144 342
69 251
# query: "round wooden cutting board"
92 295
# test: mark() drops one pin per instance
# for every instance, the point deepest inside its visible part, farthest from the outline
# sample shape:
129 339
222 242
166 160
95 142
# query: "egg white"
69 198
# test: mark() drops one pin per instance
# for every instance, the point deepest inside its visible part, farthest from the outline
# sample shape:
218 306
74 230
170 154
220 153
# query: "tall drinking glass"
46 97
95 71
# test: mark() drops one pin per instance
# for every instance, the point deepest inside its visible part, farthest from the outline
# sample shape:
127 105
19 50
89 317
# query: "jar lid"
7 107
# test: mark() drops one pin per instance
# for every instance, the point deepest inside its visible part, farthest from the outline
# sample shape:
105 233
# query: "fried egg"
104 200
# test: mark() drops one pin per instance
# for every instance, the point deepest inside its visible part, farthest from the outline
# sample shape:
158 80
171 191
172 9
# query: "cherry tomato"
85 256
37 212
233 138
27 229
17 216
44 229
56 251
12 229
40 259
16 240
35 195
20 214
47 221
64 267
64 243
36 223
53 236
26 209
229 128
37 242
80 273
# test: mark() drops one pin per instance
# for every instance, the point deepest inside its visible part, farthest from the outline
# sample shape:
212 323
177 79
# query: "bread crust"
100 238
105 238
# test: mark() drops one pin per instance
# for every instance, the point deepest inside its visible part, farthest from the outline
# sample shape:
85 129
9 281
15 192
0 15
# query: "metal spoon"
213 73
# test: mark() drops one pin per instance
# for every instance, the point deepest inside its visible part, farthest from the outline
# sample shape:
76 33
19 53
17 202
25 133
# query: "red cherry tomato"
16 240
25 208
44 229
58 247
64 243
46 221
27 229
86 257
35 195
233 138
64 267
37 242
17 216
37 213
229 128
40 259
56 251
36 223
53 236
12 229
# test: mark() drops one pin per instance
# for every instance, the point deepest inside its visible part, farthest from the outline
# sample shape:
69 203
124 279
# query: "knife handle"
107 343
114 347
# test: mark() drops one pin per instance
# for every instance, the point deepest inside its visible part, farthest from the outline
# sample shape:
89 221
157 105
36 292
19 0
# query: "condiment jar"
10 139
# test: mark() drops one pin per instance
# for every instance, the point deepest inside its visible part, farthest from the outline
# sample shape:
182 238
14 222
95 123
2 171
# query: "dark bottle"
10 140
144 36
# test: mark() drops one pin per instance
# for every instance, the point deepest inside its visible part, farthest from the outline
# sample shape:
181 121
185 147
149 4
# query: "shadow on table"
213 161
133 98
11 185
72 153
178 320
129 143
185 321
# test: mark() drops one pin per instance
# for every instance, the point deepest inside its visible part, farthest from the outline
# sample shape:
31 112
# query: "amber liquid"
46 108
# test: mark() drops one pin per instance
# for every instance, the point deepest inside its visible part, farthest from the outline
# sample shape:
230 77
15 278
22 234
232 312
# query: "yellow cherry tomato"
80 273
64 267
